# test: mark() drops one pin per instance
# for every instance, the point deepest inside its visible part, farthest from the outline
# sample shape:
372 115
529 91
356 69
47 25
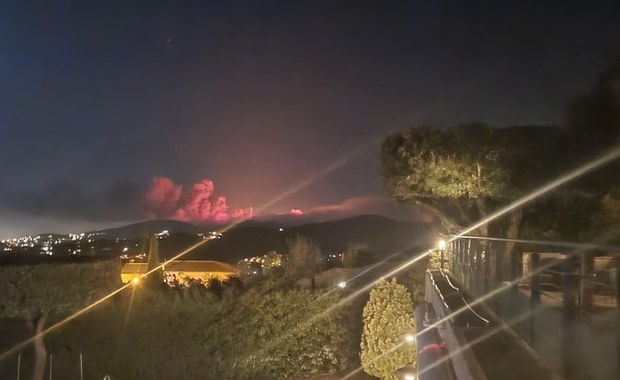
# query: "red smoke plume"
164 199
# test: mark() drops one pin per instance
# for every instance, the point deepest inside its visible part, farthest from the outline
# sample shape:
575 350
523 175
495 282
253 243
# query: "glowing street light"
441 245
408 372
135 280
342 284
410 337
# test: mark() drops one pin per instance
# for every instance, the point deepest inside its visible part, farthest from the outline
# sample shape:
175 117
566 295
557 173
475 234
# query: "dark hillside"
382 235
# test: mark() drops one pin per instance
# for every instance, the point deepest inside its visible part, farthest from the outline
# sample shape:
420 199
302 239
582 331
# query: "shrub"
388 316
192 333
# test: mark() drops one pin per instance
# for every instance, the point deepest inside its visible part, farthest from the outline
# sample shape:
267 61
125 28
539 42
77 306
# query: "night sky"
99 98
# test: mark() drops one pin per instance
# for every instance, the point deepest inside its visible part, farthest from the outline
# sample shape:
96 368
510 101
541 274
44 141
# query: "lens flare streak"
550 243
472 343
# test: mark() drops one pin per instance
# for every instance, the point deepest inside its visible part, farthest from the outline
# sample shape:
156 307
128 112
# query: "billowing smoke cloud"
368 205
165 199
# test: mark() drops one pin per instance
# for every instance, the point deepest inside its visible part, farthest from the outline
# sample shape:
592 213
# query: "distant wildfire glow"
296 211
166 199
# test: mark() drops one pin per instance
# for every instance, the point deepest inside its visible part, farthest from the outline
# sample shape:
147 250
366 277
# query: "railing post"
488 275
462 260
459 260
515 274
534 293
473 264
461 277
478 269
442 258
500 254
618 312
586 287
500 276
470 265
450 256
570 291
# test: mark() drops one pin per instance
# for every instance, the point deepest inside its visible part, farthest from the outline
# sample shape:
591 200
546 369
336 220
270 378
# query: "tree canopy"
458 174
50 289
42 292
303 258
595 116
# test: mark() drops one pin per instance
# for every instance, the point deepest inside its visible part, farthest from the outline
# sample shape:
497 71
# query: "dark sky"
99 97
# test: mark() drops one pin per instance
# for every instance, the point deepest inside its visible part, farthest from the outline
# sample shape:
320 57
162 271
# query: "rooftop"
183 266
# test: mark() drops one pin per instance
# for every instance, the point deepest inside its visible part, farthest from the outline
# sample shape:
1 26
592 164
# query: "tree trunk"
535 294
482 211
586 279
512 232
570 292
488 275
40 353
448 223
513 257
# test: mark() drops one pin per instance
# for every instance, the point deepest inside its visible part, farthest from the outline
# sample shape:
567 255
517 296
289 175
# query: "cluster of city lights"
262 259
210 235
45 242
131 259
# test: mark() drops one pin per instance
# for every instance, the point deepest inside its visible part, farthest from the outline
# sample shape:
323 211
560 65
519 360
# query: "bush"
358 255
388 316
303 259
290 335
194 334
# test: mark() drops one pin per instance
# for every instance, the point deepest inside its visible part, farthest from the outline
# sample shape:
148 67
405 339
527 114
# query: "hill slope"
380 234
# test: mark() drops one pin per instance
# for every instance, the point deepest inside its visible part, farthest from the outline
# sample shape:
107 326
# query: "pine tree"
304 258
388 316
155 278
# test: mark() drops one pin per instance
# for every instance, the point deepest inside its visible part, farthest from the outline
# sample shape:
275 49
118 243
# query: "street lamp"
441 245
408 372
409 337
